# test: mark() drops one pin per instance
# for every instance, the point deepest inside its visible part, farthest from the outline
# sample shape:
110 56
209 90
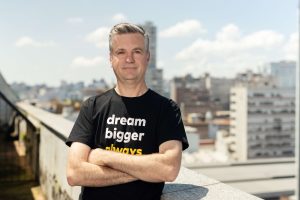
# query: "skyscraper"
154 76
151 30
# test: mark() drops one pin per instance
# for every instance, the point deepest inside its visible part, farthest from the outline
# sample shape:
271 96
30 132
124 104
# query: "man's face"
129 57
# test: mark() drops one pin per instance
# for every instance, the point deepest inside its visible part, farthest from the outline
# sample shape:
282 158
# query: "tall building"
285 73
262 119
151 30
154 76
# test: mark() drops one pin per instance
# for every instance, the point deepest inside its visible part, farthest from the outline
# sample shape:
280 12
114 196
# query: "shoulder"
166 103
91 101
91 104
158 97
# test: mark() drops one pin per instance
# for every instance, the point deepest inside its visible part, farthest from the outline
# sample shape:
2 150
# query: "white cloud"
229 32
263 39
232 52
119 17
99 37
231 43
182 29
87 62
291 49
75 20
28 41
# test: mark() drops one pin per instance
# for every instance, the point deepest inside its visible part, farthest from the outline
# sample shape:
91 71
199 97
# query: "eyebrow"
123 49
138 48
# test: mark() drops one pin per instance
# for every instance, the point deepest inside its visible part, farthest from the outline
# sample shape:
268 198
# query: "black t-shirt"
131 125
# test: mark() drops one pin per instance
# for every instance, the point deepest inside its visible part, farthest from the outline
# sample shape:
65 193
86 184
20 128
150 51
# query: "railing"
54 129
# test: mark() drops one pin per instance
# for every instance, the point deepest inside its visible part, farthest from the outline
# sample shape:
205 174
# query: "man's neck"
131 90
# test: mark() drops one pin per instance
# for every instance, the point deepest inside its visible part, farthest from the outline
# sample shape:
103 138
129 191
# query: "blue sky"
49 41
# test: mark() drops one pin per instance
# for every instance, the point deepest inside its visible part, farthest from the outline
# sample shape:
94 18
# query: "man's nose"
129 58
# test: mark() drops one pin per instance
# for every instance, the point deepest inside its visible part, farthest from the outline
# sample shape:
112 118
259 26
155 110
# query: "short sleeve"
170 125
82 130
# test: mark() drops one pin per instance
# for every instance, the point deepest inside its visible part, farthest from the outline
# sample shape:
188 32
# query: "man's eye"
138 51
120 52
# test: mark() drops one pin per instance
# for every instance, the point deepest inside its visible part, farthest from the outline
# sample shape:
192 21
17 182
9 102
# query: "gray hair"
124 28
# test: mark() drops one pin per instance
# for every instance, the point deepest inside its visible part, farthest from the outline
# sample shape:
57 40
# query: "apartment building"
262 119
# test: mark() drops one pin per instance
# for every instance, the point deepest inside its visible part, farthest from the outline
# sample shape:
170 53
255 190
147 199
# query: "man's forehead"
121 41
127 35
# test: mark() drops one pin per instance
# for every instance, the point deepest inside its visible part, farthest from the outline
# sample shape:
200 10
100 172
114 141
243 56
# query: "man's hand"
83 173
96 156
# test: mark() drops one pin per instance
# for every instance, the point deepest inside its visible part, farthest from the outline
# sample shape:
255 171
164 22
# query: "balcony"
46 145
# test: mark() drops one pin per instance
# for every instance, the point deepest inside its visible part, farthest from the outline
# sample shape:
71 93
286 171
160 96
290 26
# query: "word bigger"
120 136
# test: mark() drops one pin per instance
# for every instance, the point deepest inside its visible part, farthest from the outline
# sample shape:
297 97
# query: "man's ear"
148 56
110 57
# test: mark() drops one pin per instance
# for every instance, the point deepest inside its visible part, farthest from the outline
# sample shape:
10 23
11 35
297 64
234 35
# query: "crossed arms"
100 168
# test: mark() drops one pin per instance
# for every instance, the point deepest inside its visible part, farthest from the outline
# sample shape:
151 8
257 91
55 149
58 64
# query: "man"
127 141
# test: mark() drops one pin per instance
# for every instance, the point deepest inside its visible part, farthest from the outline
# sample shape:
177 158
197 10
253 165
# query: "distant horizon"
111 83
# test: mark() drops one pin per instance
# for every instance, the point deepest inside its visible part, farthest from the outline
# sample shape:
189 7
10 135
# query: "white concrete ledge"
56 122
190 185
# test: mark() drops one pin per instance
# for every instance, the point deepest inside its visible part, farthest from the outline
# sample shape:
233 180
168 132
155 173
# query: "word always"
125 150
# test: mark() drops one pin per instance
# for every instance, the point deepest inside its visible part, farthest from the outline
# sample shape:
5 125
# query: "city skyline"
46 42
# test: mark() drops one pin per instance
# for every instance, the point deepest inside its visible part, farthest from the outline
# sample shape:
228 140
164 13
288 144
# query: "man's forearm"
99 176
158 167
82 173
146 167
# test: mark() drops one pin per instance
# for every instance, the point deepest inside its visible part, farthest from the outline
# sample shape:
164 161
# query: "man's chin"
131 79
